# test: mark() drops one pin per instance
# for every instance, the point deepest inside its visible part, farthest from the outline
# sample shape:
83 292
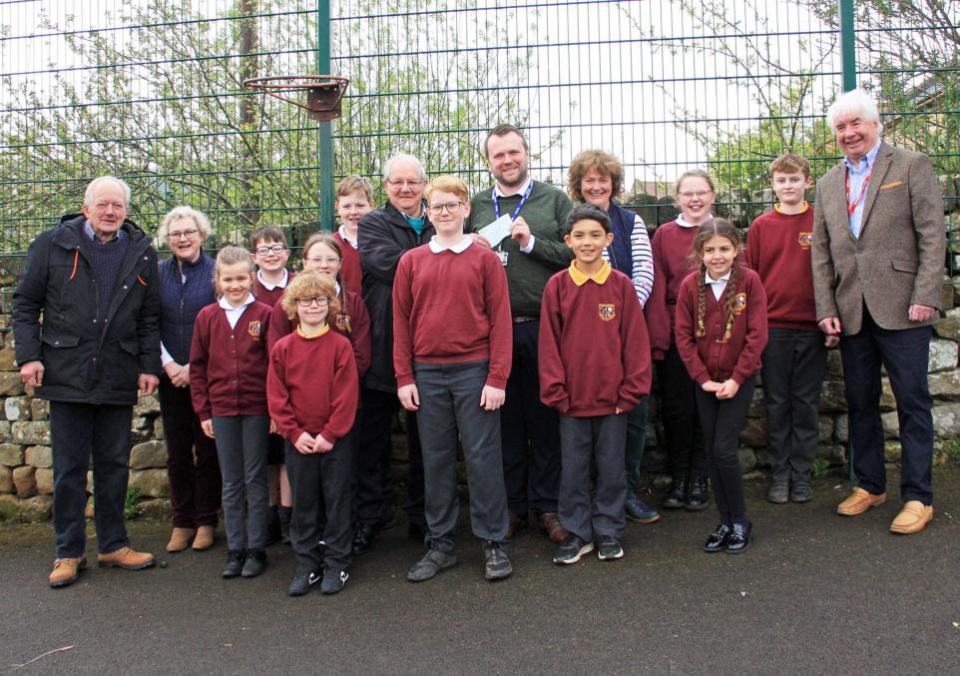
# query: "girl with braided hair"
721 330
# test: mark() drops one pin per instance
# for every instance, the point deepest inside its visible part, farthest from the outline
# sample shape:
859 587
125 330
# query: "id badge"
502 255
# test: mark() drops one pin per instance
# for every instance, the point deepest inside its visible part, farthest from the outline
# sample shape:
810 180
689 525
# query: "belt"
522 319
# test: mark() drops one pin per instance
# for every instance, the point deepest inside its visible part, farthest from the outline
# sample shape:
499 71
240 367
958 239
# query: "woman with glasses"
186 286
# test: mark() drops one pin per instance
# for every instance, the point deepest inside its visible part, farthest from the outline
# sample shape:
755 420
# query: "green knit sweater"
545 211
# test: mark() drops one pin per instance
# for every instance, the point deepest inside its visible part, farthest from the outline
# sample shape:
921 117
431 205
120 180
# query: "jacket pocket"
901 265
131 346
60 341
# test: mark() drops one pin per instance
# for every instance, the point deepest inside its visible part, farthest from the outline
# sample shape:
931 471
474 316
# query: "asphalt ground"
817 593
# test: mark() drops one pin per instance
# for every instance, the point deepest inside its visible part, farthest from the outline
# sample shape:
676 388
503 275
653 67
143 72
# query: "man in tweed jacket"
878 253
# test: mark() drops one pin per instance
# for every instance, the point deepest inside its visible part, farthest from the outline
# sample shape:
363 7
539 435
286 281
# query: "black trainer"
333 580
609 548
255 564
432 563
303 582
496 563
698 495
801 492
363 538
572 550
234 565
778 493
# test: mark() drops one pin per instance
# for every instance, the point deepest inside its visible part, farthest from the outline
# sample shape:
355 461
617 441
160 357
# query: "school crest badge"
739 303
253 328
805 240
607 311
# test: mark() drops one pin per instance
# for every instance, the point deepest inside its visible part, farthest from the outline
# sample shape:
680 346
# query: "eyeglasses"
405 184
700 194
307 302
450 207
183 234
267 250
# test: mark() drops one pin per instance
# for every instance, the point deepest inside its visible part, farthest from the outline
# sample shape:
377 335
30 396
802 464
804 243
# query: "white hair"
854 103
388 165
198 217
100 180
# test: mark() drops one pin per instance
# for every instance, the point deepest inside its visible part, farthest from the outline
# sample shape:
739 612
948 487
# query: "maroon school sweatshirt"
671 245
594 349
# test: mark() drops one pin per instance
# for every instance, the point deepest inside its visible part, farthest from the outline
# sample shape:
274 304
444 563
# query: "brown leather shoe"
551 525
204 539
860 501
517 523
66 571
180 539
913 518
126 558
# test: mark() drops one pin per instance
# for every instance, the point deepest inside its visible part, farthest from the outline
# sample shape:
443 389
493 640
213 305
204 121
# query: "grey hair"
388 165
198 217
854 102
100 180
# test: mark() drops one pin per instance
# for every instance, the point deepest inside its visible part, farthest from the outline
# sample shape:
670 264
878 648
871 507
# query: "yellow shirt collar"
323 331
579 278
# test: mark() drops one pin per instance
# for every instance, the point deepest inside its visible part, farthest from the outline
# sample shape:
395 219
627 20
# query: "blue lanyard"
516 212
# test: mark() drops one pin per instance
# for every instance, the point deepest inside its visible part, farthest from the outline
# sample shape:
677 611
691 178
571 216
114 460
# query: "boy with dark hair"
795 359
594 366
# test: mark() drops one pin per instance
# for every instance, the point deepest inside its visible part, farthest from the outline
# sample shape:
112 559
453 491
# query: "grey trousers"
242 450
322 505
450 404
587 511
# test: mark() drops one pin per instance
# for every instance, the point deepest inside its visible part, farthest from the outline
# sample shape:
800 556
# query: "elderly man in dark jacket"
94 280
384 235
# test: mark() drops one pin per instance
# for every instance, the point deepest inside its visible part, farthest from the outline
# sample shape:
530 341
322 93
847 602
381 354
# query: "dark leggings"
722 421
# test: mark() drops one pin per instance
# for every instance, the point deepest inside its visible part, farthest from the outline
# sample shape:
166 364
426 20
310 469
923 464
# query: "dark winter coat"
85 359
383 237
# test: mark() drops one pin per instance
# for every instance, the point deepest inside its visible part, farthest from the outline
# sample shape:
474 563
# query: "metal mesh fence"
151 91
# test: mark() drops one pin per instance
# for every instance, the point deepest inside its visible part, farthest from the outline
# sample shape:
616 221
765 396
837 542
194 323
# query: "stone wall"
26 474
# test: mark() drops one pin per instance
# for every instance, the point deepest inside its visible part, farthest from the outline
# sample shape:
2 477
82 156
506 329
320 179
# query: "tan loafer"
66 571
204 539
860 501
180 539
551 526
126 558
913 518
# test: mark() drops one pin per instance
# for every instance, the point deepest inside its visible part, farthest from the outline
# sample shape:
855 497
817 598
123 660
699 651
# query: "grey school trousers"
582 511
242 451
450 406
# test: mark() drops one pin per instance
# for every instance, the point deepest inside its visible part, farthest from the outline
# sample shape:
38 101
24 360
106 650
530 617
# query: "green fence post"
325 146
848 45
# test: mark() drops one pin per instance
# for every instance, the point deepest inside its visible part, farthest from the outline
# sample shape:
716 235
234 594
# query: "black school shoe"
698 495
303 582
234 565
740 538
718 539
333 580
255 564
801 492
677 497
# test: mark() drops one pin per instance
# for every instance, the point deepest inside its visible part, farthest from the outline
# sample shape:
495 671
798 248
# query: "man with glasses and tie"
533 251
384 235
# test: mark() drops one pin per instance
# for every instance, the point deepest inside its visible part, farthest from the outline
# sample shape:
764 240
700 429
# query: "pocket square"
892 184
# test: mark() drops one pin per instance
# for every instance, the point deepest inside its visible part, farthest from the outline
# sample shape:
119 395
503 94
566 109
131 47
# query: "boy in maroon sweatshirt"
594 366
228 369
452 352
313 390
795 359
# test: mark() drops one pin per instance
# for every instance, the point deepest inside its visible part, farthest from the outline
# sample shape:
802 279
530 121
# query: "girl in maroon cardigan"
228 372
672 244
721 330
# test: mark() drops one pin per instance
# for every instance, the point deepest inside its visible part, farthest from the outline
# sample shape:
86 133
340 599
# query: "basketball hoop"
324 92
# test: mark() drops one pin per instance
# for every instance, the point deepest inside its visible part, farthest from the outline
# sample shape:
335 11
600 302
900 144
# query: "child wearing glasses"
452 352
313 392
228 369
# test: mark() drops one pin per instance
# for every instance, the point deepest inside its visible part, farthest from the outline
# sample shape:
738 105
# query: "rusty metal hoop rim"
324 92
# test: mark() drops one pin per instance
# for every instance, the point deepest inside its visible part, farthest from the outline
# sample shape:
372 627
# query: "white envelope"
497 231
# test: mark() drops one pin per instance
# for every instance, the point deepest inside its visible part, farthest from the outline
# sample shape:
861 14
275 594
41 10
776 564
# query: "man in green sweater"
533 251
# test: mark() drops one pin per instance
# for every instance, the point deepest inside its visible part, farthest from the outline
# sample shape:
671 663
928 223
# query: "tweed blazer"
897 261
